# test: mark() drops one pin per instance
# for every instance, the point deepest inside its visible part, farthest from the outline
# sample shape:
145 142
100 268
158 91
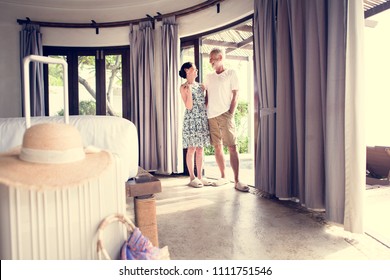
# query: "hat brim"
19 173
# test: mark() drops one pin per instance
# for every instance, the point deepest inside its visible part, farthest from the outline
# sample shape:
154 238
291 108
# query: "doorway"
377 67
236 40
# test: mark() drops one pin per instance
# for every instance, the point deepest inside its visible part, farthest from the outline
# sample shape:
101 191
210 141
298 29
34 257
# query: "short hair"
217 51
182 72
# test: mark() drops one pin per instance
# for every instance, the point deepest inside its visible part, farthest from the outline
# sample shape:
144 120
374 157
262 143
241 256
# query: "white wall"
207 19
10 99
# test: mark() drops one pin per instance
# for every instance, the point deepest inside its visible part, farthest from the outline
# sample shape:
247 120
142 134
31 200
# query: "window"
98 81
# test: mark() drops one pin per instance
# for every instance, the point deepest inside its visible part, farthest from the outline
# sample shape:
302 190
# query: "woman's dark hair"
182 72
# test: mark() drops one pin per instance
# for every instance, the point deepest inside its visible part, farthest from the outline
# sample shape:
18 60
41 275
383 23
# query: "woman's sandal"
221 181
196 183
206 182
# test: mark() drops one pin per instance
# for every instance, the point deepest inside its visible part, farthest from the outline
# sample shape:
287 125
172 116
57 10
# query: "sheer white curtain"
142 92
31 43
319 144
355 146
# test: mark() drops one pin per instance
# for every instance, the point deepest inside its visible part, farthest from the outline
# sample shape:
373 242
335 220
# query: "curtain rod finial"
95 24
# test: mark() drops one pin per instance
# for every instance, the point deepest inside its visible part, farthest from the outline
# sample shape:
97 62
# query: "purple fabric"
138 247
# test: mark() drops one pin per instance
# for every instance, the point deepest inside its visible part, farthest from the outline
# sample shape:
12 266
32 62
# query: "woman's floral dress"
196 127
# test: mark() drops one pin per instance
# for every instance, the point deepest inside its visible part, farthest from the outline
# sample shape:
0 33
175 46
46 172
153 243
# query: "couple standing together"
209 116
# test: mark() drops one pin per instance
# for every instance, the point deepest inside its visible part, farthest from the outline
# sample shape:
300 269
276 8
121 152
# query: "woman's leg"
199 161
190 162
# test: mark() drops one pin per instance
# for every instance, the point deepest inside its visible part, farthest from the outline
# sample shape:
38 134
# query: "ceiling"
369 5
141 8
99 10
102 4
238 40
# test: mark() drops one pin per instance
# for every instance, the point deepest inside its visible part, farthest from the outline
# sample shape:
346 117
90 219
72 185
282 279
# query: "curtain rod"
97 25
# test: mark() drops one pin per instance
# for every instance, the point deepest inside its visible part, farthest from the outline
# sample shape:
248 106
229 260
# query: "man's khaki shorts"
223 130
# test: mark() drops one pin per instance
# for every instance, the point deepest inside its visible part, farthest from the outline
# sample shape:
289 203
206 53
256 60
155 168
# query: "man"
222 97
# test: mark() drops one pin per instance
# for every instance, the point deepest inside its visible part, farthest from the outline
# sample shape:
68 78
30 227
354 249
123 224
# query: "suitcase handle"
26 86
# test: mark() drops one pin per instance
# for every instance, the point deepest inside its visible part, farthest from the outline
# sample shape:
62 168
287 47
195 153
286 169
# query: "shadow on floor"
221 223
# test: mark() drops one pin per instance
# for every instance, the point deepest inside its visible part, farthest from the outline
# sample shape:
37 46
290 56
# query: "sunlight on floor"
247 172
183 206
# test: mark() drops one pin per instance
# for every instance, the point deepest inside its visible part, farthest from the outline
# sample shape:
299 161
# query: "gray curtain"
309 82
31 43
265 94
142 92
168 125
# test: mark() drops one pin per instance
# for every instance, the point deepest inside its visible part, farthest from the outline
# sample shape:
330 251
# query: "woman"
196 132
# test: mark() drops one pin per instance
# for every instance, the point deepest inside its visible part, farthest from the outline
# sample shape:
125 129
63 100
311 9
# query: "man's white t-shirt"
219 89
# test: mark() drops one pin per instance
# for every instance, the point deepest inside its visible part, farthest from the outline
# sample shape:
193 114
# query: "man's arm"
233 104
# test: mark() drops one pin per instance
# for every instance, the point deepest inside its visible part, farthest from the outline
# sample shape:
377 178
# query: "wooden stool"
142 188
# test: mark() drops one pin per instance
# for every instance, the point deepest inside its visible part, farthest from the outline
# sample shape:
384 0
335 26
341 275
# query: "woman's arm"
186 95
206 96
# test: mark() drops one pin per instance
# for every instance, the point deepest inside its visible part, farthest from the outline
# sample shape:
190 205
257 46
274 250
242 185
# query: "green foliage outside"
86 68
56 73
85 107
240 118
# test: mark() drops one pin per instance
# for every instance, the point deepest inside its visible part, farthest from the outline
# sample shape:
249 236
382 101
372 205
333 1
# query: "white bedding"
106 132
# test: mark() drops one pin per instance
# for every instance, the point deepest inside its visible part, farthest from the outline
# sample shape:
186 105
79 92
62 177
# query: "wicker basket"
101 251
144 249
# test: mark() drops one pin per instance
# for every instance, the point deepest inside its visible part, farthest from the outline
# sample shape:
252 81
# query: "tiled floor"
222 223
376 208
247 174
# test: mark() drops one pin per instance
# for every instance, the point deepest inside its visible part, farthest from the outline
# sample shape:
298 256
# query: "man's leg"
216 141
220 159
234 162
230 140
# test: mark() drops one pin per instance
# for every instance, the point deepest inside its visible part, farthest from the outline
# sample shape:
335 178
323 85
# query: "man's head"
216 58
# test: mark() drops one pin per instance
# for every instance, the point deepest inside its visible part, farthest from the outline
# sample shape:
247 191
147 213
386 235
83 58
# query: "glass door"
114 86
97 85
86 69
56 88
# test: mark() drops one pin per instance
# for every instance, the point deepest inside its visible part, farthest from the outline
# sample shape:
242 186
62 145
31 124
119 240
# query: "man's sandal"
241 187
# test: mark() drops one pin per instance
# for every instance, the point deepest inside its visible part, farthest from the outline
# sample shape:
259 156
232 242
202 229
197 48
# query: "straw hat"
51 155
